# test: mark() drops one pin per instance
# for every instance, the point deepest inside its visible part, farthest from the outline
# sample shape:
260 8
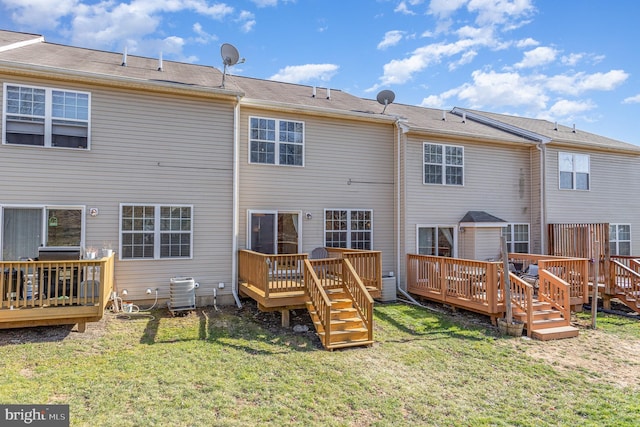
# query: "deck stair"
347 328
547 324
627 283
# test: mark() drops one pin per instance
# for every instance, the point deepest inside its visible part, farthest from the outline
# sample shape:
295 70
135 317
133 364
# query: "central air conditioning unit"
182 294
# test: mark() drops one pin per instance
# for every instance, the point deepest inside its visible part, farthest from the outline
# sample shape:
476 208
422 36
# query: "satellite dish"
385 98
229 53
230 57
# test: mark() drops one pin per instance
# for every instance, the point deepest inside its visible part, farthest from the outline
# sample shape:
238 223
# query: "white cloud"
566 108
632 99
502 89
391 38
39 14
108 24
572 59
305 73
528 42
539 56
203 36
466 58
507 12
444 8
578 83
403 8
247 21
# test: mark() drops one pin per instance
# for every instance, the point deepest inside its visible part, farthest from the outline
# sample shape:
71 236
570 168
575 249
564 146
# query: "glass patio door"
273 232
21 233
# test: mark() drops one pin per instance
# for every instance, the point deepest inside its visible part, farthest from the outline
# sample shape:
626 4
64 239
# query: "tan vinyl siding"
535 226
612 197
144 149
497 179
335 152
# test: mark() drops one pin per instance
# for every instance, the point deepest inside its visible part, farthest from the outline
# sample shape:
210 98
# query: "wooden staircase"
346 326
626 283
547 322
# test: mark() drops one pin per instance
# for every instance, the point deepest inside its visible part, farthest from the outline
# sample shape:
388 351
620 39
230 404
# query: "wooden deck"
277 281
337 291
39 293
479 286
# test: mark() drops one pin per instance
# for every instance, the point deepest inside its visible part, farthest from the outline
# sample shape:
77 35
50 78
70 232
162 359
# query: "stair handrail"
319 299
556 292
362 300
522 298
623 275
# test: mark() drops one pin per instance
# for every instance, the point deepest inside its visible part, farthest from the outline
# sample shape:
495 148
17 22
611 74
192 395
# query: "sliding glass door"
273 232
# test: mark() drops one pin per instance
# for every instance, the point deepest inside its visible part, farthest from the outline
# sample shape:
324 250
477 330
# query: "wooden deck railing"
464 283
328 271
522 297
368 264
54 292
272 273
555 291
627 278
362 300
319 299
573 271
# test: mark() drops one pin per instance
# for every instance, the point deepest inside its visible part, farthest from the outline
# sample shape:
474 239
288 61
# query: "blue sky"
570 61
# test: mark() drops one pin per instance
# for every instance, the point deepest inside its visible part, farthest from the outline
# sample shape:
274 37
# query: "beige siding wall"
145 148
336 151
497 179
612 196
535 229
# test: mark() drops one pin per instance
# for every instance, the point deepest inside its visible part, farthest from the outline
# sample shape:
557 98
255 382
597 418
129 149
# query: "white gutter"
236 203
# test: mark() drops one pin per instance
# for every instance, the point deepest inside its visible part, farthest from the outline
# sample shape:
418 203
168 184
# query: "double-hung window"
45 117
443 164
276 142
517 237
574 171
348 228
620 239
156 231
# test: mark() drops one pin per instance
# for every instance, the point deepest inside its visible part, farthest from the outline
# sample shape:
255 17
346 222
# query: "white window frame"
276 141
444 165
349 230
574 170
438 226
157 231
509 232
251 212
44 231
48 117
617 241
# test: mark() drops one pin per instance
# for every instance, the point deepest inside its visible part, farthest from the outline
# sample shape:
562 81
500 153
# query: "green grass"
242 368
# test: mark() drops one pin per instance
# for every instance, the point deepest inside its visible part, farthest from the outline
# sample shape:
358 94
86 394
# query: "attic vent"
182 294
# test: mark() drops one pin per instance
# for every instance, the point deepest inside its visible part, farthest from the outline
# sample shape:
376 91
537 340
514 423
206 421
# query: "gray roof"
480 217
29 51
99 63
560 134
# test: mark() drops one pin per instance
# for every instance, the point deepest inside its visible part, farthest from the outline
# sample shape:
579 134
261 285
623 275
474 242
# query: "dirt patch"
602 356
53 333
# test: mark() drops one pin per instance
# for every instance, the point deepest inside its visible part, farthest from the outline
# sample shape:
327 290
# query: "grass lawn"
239 367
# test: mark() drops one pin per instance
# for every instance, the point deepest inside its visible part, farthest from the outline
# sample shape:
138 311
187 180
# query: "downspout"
542 147
401 129
236 203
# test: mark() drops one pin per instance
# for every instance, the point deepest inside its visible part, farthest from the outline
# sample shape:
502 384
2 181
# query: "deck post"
285 317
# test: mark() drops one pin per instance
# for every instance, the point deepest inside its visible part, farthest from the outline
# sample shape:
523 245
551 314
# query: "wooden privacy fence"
578 241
